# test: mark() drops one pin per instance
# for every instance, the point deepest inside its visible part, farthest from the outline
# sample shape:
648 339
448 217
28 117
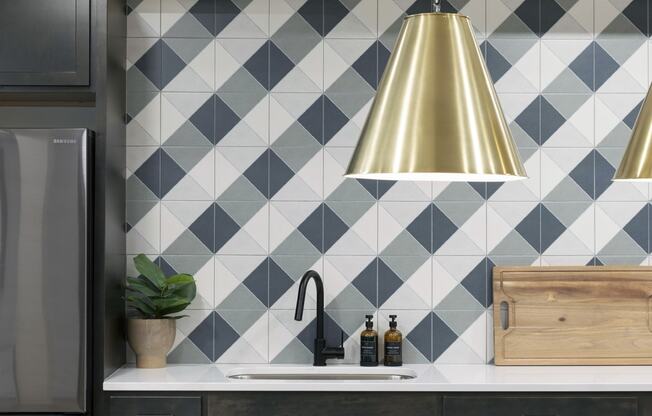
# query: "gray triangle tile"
459 191
187 263
241 320
405 245
187 135
513 245
187 353
187 49
241 298
295 266
512 26
294 353
296 244
459 299
242 82
296 157
136 102
617 137
350 190
459 212
137 81
457 320
351 104
404 266
350 212
567 190
296 38
567 104
567 212
187 243
412 354
295 136
621 260
350 298
187 157
136 210
241 212
137 190
188 27
241 190
621 245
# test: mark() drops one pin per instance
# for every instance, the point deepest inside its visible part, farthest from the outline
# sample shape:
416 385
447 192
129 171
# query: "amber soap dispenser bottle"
393 344
369 344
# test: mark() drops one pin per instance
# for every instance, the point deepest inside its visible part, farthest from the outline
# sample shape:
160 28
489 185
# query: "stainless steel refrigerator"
45 219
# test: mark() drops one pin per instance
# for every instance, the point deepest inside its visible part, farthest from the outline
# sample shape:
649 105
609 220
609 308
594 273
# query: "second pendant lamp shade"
436 115
636 164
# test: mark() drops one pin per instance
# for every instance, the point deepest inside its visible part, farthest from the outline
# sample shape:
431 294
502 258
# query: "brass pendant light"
436 115
636 164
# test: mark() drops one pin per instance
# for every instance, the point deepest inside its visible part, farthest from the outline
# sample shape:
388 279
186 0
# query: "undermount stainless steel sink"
322 373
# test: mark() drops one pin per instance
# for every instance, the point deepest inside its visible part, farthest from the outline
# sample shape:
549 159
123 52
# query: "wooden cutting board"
588 315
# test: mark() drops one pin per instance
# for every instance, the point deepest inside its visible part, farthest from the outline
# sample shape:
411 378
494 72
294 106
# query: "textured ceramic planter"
151 339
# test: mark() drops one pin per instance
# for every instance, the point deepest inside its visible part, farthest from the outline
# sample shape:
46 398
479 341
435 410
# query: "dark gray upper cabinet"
44 42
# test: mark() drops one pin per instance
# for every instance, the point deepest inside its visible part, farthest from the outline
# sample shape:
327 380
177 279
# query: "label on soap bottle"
393 355
368 351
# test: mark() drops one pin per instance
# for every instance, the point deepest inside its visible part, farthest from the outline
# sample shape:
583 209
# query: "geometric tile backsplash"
242 116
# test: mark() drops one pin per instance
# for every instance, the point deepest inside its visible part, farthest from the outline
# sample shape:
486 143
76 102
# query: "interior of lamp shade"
437 177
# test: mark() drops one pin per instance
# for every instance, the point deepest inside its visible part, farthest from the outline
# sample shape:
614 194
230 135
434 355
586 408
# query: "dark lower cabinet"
155 405
322 404
558 405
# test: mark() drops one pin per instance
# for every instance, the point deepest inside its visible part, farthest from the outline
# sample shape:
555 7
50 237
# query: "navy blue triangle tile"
605 66
490 289
582 66
171 173
312 12
203 336
204 228
492 187
204 119
226 11
496 63
530 13
477 281
165 267
388 282
279 173
334 119
367 65
171 65
604 174
225 336
225 119
367 282
150 64
421 336
225 228
334 12
442 337
332 332
149 173
550 12
279 65
258 283
258 173
371 186
383 59
128 118
313 119
583 174
421 228
204 12
447 7
595 262
258 64
637 228
128 227
636 12
630 119
551 120
279 282
384 187
529 119
551 228
443 228
481 188
420 6
334 228
530 228
312 227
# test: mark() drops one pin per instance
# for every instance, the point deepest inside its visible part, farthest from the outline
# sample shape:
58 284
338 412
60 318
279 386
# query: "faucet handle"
341 338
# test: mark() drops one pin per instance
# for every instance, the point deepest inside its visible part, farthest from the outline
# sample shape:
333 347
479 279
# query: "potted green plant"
152 298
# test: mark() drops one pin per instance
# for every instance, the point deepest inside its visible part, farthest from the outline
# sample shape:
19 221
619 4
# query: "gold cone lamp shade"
636 164
436 115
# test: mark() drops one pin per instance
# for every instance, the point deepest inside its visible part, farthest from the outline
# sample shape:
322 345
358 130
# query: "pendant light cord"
436 6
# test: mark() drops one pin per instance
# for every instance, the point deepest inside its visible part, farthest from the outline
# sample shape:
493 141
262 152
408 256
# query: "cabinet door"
44 42
155 406
540 406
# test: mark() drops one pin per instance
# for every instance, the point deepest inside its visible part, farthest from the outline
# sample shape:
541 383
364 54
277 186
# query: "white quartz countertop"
434 378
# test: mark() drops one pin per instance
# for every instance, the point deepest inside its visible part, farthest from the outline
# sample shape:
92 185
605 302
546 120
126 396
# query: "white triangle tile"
241 352
475 336
171 12
280 12
188 189
459 353
188 80
243 26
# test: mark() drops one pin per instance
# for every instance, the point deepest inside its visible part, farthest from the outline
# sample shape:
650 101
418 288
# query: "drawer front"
540 406
155 406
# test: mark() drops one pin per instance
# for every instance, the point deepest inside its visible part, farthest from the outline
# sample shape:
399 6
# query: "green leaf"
176 308
151 271
139 286
141 305
179 280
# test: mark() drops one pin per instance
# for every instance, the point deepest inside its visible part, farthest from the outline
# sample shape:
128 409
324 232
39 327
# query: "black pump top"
392 323
369 324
